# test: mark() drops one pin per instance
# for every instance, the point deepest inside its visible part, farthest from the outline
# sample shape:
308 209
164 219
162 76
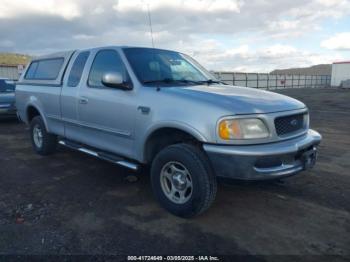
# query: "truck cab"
143 106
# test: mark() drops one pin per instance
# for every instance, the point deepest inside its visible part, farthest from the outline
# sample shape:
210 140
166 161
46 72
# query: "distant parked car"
7 98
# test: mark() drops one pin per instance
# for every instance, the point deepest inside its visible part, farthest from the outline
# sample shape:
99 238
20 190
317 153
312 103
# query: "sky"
225 35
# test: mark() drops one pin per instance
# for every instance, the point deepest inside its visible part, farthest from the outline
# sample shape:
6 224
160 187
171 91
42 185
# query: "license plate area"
309 157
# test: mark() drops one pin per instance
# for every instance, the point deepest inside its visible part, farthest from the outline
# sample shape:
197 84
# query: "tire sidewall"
197 172
38 121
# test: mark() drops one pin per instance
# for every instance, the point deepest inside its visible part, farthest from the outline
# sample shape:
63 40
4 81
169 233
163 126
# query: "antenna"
150 23
151 30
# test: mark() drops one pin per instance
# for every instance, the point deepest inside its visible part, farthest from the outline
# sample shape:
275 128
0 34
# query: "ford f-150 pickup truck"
144 106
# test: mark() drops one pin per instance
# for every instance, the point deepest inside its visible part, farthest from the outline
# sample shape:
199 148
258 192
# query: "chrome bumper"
7 109
265 161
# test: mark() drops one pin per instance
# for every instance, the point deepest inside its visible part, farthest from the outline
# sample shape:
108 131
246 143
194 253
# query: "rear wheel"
182 180
43 142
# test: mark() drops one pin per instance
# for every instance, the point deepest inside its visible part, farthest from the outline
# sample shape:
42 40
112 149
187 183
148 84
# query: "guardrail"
269 81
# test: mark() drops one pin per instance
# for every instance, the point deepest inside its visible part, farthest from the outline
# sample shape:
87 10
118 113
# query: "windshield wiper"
186 81
165 80
211 81
169 81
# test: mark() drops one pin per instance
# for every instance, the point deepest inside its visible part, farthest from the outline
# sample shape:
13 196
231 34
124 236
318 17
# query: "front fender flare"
169 124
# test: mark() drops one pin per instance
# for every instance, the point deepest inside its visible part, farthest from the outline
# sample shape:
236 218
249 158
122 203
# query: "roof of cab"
54 55
65 53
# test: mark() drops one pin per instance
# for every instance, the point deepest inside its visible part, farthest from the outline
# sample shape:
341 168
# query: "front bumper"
265 161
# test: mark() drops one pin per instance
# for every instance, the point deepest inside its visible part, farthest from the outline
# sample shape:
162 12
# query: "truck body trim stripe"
83 124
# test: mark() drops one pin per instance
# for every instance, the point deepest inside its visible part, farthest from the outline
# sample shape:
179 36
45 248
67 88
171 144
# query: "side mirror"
115 80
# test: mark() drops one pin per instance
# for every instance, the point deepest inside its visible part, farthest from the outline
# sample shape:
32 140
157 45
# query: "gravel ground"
71 203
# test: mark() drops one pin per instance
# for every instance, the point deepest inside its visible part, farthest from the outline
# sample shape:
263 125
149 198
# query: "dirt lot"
71 203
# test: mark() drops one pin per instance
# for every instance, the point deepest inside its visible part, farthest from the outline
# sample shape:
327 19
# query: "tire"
48 142
193 168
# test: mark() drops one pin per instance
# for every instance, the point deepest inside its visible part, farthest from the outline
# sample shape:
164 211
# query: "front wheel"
43 142
183 180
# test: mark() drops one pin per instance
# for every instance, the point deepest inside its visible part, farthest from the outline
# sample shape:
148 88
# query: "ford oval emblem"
294 122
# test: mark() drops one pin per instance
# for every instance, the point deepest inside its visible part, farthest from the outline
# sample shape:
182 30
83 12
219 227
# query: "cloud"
329 3
6 43
193 5
222 34
300 18
65 9
83 37
265 59
340 41
278 51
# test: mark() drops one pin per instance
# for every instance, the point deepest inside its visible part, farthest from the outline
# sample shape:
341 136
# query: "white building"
11 71
340 72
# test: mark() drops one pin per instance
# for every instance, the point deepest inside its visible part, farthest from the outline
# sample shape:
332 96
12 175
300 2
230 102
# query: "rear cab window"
31 70
77 69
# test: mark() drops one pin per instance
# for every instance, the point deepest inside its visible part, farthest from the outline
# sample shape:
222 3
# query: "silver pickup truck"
142 106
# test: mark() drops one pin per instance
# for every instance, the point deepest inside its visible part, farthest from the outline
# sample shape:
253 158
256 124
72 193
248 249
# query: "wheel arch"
32 111
163 136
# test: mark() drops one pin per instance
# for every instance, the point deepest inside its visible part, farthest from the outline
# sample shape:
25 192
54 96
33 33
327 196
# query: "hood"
240 100
8 98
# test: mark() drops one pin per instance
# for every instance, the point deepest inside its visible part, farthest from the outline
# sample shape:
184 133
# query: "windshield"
6 86
155 67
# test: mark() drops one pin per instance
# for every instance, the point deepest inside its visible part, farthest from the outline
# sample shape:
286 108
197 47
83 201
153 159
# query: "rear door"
69 96
107 115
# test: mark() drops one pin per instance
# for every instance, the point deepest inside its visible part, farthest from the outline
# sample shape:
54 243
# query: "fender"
34 102
168 124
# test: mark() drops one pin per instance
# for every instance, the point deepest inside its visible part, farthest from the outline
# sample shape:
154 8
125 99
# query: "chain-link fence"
268 81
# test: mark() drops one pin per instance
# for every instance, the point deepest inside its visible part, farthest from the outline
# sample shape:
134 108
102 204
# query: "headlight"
251 128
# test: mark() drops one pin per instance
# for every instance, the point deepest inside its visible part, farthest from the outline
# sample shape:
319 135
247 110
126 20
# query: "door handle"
83 100
144 109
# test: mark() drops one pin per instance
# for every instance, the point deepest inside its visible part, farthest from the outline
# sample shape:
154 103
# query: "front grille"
289 124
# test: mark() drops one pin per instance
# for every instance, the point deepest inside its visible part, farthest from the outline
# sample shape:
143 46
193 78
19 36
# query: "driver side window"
106 61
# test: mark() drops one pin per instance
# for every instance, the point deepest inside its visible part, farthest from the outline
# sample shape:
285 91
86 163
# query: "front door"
107 115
